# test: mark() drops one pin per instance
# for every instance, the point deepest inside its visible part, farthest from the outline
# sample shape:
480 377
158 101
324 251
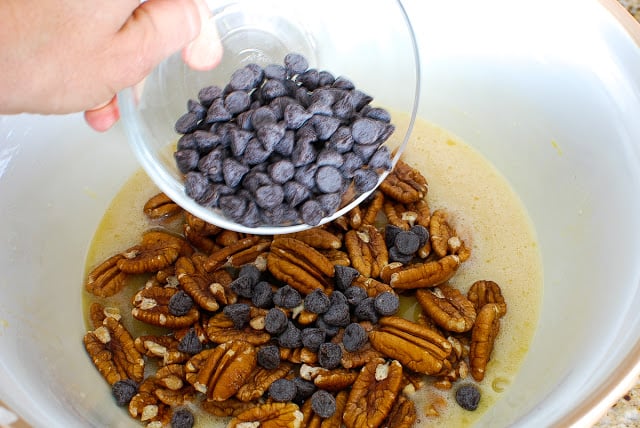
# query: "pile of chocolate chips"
281 145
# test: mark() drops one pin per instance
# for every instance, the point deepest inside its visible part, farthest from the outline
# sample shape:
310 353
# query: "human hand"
63 56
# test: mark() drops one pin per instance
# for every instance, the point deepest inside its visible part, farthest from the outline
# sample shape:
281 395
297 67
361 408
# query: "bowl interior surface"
263 32
555 111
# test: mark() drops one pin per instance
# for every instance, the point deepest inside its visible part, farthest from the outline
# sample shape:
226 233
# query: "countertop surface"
623 414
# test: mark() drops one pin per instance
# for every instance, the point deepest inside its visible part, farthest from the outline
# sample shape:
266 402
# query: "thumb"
155 30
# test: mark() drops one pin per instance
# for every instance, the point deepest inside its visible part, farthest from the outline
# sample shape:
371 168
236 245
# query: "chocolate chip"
407 242
238 313
295 193
291 337
323 404
287 297
281 171
242 286
217 112
337 314
236 102
269 357
182 418
397 256
269 197
295 116
366 131
366 311
354 337
304 389
190 343
244 78
344 276
207 94
468 397
386 303
180 304
365 180
328 179
262 295
275 71
270 134
275 322
186 160
233 172
187 123
263 116
123 391
422 233
317 302
390 233
329 355
313 337
295 63
311 212
381 159
355 295
282 390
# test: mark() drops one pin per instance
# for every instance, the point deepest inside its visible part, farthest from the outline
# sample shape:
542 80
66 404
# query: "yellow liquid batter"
488 216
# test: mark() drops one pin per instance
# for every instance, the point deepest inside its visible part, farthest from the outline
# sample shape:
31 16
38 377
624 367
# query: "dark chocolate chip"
317 302
123 391
238 313
182 418
190 343
262 295
344 276
282 390
269 357
275 322
354 337
386 303
468 397
329 355
287 297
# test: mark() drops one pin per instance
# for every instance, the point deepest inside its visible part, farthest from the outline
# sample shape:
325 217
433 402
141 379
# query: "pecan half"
372 395
112 351
444 239
483 337
260 380
220 329
372 207
156 251
97 314
404 184
151 305
403 414
146 406
221 371
337 257
218 258
299 265
226 408
483 292
317 237
417 347
200 285
335 380
106 279
372 286
164 348
269 415
161 207
367 250
447 307
427 274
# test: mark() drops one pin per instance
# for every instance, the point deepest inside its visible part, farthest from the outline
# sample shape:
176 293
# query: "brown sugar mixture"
414 309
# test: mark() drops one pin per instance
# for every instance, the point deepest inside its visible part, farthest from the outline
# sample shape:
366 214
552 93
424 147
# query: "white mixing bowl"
549 93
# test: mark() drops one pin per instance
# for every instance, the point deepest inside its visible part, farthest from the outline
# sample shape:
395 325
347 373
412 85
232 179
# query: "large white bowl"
550 94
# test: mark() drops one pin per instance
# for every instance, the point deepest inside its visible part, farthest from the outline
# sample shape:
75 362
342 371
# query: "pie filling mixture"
414 309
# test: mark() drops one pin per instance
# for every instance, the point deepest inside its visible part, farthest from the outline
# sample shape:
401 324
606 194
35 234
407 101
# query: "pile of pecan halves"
452 338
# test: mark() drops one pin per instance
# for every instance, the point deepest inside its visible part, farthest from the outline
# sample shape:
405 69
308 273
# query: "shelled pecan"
367 250
373 394
220 372
112 351
417 347
447 307
161 207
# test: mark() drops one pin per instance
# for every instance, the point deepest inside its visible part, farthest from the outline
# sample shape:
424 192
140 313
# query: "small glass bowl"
372 44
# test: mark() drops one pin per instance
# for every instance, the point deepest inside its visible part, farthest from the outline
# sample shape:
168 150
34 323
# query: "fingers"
205 51
155 30
103 117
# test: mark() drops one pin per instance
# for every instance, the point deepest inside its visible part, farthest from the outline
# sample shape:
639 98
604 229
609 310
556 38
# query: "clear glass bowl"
372 44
